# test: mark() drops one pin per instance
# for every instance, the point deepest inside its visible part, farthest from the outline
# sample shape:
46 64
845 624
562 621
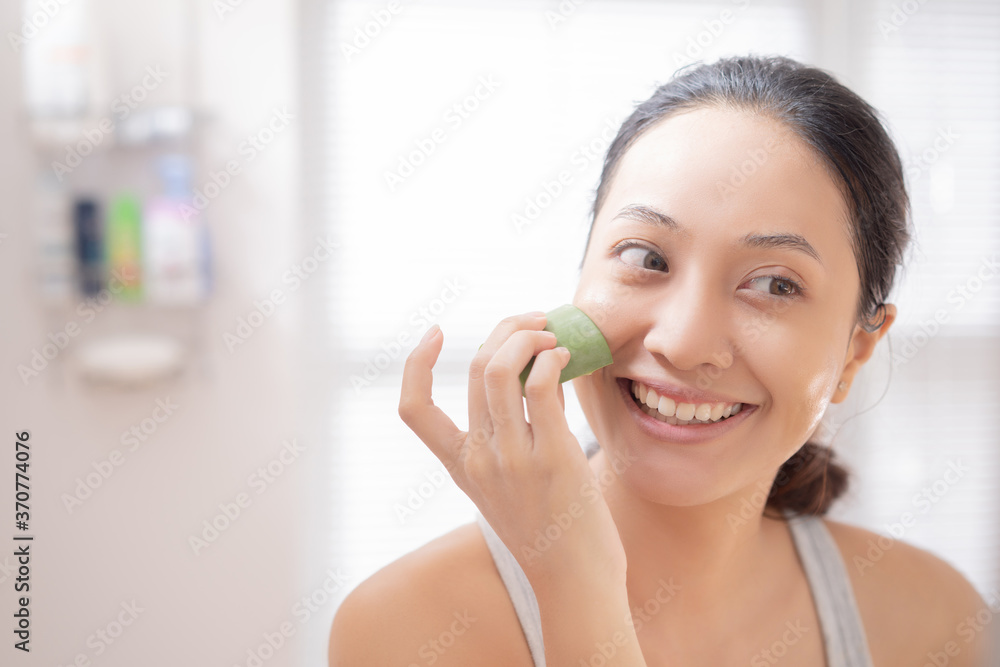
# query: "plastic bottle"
176 250
123 247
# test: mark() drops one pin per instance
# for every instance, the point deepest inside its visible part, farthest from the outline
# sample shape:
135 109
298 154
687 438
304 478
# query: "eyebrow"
651 216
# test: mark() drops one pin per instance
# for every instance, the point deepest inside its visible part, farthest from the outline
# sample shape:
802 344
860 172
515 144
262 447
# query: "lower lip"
692 433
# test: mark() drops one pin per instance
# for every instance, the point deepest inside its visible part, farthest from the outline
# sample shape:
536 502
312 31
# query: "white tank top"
843 632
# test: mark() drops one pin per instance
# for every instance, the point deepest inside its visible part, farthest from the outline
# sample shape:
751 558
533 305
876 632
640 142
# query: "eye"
640 256
780 286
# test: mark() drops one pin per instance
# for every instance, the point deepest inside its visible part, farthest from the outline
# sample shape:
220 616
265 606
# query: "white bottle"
57 47
176 257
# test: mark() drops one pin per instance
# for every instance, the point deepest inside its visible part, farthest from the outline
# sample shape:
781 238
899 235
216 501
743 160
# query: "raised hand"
528 477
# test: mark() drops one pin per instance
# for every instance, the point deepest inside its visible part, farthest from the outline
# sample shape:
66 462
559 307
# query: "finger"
503 383
416 406
543 394
479 407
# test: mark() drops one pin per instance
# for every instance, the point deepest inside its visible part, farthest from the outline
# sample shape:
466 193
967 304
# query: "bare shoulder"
912 603
442 604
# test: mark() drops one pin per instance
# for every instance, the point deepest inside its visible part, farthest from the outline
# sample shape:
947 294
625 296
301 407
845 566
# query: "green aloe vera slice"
577 333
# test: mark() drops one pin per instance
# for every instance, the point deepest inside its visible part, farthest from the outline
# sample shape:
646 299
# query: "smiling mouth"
679 414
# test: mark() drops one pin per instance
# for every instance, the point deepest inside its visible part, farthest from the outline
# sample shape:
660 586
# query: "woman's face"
719 269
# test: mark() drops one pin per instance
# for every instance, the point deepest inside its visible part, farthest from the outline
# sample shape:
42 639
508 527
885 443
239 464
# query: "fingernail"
537 313
433 331
564 351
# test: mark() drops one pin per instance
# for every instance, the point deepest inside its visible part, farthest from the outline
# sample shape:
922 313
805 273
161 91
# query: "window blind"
934 71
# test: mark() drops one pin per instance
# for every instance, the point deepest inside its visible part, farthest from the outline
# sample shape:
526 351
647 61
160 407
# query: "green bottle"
123 245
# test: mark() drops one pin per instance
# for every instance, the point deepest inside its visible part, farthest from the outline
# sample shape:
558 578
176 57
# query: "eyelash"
619 248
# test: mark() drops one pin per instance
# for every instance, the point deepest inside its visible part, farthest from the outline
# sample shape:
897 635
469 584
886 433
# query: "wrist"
587 620
578 570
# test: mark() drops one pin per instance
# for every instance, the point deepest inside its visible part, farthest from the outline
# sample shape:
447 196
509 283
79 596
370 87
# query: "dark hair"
848 135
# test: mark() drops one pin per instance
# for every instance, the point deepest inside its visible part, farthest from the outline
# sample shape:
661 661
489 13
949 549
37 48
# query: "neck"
709 553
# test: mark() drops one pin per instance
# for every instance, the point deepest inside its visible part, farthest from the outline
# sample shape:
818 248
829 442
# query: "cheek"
794 361
605 304
599 303
615 308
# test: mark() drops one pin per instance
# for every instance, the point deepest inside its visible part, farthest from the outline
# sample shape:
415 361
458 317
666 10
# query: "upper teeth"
683 411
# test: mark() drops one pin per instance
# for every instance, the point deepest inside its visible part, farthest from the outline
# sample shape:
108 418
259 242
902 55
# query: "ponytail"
808 482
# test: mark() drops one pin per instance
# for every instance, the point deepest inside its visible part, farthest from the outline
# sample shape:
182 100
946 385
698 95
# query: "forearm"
584 626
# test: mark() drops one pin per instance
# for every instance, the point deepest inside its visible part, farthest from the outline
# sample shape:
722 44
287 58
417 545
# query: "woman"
746 231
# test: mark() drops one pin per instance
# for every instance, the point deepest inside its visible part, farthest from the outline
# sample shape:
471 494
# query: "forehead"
732 172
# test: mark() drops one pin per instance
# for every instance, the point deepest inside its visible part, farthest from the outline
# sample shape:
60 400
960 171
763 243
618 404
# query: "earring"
842 386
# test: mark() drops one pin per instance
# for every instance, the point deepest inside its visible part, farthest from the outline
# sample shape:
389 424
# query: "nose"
690 328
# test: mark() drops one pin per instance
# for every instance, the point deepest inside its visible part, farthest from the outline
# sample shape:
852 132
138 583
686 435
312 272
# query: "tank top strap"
519 589
843 631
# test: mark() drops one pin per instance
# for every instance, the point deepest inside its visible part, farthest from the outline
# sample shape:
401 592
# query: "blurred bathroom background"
228 222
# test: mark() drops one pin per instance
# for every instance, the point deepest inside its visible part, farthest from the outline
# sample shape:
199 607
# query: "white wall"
129 541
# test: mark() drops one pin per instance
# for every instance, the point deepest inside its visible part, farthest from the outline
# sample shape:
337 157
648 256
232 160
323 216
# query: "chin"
677 481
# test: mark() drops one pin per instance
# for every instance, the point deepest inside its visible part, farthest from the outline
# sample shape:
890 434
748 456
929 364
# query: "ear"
860 349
